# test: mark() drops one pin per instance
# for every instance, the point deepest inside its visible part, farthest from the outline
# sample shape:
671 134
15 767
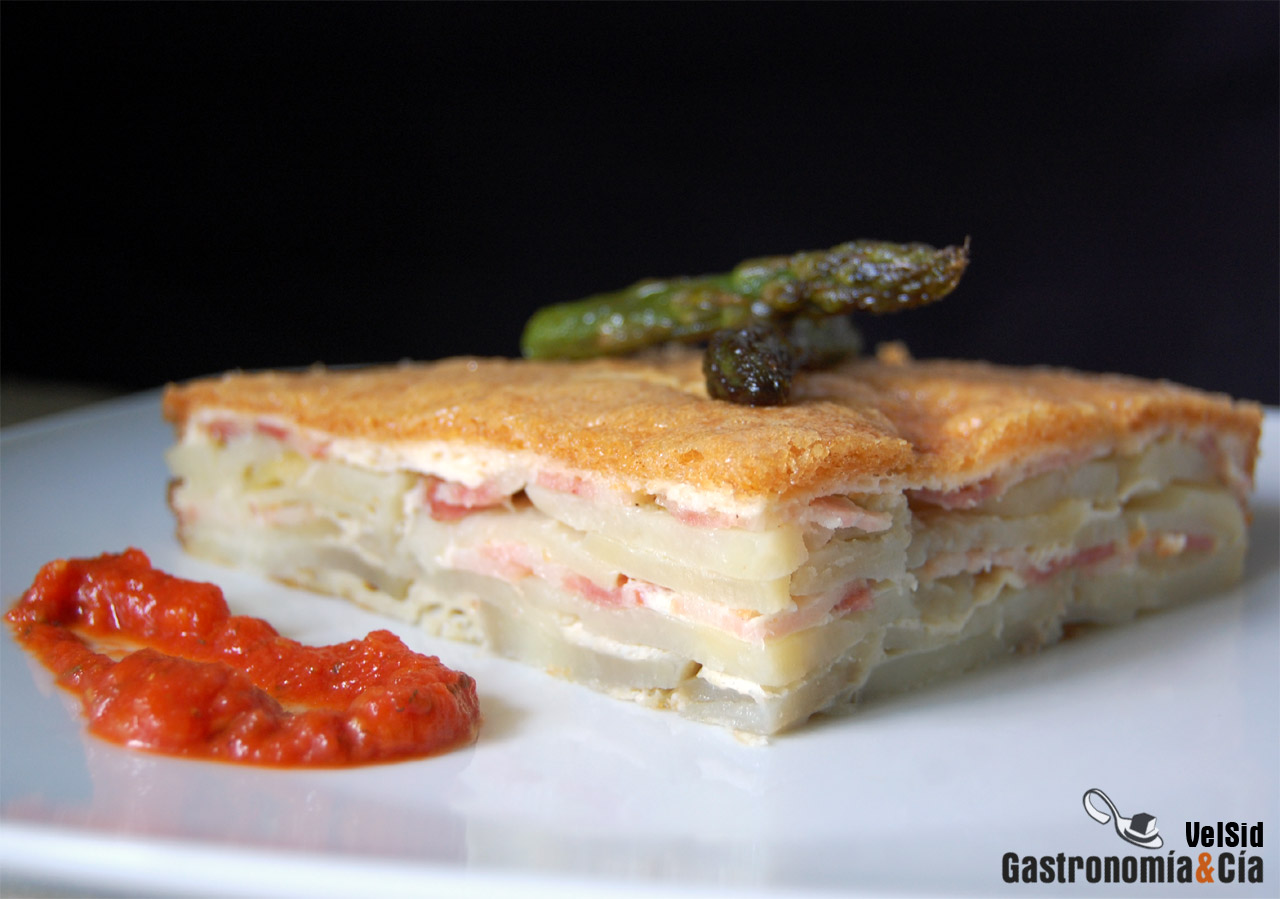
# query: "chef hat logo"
1140 830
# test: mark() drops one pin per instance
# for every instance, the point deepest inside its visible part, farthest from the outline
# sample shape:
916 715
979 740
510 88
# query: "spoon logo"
1140 830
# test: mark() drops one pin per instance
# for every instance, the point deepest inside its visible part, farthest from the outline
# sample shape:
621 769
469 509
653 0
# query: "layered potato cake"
902 521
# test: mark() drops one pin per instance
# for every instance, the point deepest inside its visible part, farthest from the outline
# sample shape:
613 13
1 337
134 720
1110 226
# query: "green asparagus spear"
875 276
646 314
822 342
753 366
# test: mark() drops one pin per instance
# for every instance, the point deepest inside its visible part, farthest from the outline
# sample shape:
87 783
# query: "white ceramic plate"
569 793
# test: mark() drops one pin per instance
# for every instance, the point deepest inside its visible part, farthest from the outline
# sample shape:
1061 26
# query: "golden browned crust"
938 423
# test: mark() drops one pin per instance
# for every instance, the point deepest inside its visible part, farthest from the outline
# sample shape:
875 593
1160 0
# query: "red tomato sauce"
208 684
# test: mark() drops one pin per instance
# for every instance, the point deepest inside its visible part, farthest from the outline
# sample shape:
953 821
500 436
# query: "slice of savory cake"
608 522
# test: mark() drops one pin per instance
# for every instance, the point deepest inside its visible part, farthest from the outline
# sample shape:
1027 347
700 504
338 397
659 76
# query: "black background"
189 188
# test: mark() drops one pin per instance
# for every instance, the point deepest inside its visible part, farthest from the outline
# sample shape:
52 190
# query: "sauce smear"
208 684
